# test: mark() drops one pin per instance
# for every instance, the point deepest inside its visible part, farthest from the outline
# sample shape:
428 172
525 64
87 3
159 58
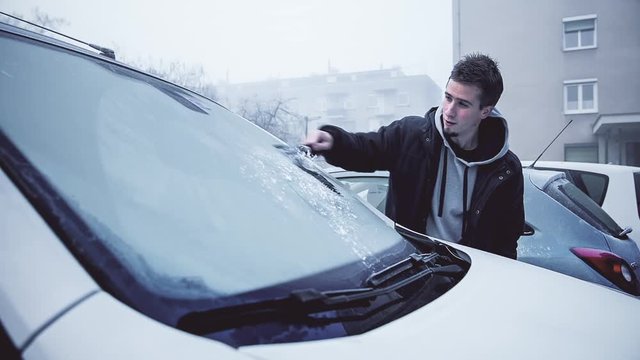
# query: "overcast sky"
252 40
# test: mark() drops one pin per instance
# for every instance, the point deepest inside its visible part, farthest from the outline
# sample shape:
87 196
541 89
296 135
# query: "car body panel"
493 327
33 289
101 327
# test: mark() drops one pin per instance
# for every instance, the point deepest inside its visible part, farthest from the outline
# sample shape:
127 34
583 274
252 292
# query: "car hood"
502 309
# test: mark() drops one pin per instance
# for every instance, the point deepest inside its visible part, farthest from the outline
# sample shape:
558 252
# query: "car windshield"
177 188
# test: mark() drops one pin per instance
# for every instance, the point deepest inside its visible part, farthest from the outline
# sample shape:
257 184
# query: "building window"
581 96
632 152
403 99
335 101
323 104
580 32
348 103
587 152
373 101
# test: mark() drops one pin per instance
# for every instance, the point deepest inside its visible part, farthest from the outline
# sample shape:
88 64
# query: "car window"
636 181
594 185
574 199
178 189
371 189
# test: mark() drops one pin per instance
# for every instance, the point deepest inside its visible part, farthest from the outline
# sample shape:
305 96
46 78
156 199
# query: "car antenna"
103 50
554 139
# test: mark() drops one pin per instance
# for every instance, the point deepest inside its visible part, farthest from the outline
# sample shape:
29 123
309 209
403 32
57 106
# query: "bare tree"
192 77
189 76
275 116
48 21
40 18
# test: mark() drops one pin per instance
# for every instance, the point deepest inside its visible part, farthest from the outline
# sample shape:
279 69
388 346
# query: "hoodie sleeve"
369 151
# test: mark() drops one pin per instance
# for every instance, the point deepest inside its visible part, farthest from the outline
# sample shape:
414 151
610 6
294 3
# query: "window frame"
580 179
636 183
568 20
580 83
568 147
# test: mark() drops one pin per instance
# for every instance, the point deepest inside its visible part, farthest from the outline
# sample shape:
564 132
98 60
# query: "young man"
451 174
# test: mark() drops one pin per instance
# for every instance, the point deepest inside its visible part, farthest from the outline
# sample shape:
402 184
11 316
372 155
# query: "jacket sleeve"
365 152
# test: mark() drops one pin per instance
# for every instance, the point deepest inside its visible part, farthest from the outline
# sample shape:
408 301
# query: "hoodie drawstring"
464 201
443 182
465 186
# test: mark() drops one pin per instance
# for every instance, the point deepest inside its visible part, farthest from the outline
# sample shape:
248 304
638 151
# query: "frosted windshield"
192 198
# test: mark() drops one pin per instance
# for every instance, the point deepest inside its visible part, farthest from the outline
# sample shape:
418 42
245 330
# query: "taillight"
611 266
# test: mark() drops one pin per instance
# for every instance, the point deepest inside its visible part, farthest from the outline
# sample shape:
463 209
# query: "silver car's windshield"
177 187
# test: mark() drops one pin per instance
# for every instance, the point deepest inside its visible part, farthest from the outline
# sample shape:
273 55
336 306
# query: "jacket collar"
494 135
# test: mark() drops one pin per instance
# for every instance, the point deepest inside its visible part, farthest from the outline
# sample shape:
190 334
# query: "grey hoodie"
456 179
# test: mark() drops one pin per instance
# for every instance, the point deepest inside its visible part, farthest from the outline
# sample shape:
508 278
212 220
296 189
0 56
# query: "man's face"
461 111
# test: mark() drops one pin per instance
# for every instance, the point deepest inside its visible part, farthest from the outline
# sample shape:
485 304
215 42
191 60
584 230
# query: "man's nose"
449 110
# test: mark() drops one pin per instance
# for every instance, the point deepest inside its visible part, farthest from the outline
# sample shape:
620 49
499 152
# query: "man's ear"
486 111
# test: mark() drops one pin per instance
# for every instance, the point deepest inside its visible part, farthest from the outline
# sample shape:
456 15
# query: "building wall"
526 38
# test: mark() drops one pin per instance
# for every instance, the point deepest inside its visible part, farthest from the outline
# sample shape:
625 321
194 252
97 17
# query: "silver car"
565 230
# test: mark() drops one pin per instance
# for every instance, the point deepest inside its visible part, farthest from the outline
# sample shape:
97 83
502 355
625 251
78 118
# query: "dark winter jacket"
410 149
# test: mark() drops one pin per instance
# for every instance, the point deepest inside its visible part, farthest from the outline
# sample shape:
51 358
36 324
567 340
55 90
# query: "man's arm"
365 151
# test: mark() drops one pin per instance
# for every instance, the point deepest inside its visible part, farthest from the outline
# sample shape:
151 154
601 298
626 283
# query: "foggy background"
248 40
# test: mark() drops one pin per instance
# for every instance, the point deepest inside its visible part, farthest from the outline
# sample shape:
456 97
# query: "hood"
502 309
494 137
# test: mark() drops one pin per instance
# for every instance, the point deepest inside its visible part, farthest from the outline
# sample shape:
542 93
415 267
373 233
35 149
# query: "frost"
280 176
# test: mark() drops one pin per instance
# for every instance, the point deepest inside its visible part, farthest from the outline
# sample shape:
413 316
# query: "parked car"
565 230
616 188
141 220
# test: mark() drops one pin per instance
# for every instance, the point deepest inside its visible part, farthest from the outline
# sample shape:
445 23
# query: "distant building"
356 101
562 60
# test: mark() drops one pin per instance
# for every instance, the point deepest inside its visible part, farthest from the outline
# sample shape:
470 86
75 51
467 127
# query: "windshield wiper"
625 231
299 305
425 243
300 156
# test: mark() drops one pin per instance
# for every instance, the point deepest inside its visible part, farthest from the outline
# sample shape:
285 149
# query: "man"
451 174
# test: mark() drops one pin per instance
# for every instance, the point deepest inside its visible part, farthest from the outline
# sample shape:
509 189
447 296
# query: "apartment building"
562 60
356 101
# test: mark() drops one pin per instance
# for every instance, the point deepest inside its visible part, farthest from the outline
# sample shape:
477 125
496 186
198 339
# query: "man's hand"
319 140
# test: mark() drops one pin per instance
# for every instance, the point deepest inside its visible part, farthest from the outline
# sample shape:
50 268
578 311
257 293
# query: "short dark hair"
482 71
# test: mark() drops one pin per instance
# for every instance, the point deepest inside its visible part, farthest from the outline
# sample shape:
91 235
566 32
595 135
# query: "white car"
143 221
616 188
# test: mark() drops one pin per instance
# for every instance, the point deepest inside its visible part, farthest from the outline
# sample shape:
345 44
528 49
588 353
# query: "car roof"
49 40
542 178
583 166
